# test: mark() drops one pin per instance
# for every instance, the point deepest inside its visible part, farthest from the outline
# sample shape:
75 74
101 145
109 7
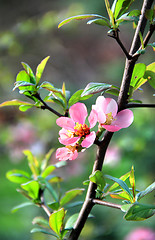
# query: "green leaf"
18 176
24 108
32 187
77 97
23 84
100 21
150 74
113 91
121 7
121 195
115 185
46 159
93 88
70 195
126 207
97 177
48 171
22 76
132 180
41 222
40 69
39 230
79 17
25 204
110 13
126 18
148 190
32 161
29 72
15 102
71 221
51 190
139 212
138 72
121 183
149 14
54 205
56 221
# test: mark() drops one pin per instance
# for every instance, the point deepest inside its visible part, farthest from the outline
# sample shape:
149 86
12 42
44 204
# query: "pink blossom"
141 234
108 115
66 153
74 130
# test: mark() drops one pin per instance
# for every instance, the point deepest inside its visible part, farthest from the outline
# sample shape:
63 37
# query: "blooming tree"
77 133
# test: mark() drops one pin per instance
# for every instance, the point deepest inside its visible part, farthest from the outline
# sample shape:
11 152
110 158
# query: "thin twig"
43 206
107 204
46 106
140 105
115 35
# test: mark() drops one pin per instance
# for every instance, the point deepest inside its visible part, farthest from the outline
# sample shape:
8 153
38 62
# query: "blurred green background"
79 54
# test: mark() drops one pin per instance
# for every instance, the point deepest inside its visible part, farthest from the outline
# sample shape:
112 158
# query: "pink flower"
74 130
141 234
108 118
66 153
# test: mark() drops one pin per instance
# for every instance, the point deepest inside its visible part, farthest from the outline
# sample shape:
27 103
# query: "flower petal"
110 106
64 154
69 141
89 140
111 128
92 118
78 112
123 119
66 123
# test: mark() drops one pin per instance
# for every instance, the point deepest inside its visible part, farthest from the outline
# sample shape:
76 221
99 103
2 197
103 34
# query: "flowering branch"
122 101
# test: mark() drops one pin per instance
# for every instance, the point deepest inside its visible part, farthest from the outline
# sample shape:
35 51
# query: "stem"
140 105
46 106
43 206
116 37
107 204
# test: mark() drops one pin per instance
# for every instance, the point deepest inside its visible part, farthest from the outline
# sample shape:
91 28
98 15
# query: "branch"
46 106
107 204
42 204
140 105
141 26
116 37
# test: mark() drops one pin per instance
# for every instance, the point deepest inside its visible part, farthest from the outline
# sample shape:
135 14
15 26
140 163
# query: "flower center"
81 130
71 148
109 119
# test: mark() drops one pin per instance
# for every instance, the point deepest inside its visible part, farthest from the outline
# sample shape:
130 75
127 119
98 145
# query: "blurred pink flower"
141 234
74 130
113 156
66 153
108 118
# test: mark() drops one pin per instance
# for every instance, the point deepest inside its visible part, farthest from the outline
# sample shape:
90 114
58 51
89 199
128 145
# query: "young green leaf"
18 176
139 212
48 171
41 222
79 17
97 177
70 195
115 185
148 190
138 73
126 207
121 183
100 21
33 162
121 195
15 102
32 187
29 72
25 204
77 97
54 205
71 221
39 230
24 108
24 85
132 181
93 88
121 7
40 69
56 221
23 76
150 74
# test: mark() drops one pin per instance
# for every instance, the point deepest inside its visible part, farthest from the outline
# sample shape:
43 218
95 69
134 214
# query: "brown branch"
140 105
107 204
115 35
46 106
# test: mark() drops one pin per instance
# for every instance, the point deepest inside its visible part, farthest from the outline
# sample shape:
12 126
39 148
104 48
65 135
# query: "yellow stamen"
109 119
81 130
